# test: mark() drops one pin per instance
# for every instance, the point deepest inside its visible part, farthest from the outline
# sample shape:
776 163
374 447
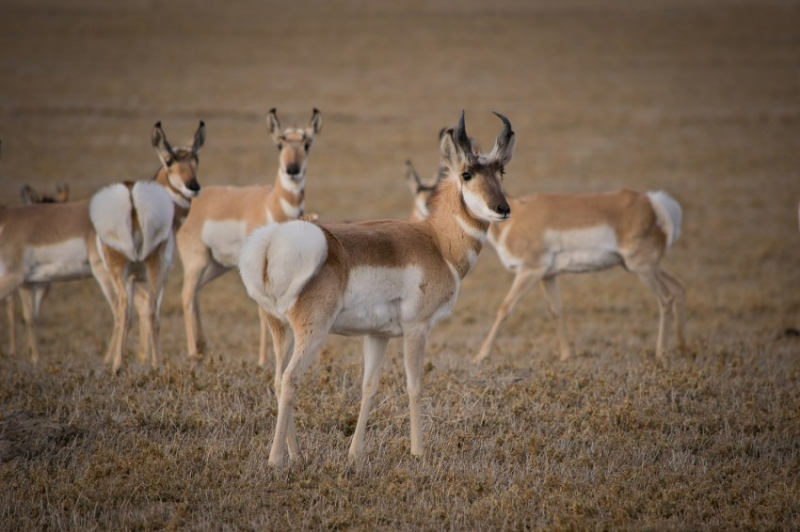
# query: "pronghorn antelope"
135 223
553 234
211 238
377 279
31 296
421 191
45 243
29 195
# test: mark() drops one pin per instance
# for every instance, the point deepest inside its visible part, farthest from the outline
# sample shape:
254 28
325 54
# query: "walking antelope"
377 279
135 224
31 296
211 238
553 234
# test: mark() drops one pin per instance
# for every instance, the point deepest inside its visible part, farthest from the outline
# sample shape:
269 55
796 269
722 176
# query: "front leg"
414 341
374 351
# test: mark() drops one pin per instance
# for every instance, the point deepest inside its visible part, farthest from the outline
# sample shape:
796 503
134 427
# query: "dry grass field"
699 98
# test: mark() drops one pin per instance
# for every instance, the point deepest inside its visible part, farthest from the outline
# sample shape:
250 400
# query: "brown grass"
700 100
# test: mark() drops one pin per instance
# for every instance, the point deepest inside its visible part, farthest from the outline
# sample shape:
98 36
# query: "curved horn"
504 146
460 135
504 137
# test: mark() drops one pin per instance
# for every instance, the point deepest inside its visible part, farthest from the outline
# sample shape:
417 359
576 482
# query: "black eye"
466 176
502 173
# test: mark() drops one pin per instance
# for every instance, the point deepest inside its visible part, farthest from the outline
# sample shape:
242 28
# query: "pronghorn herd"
377 279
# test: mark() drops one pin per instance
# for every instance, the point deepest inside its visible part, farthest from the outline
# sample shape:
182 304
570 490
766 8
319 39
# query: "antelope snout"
292 169
503 210
194 186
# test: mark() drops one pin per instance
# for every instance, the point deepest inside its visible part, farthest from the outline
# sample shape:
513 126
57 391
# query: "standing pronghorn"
135 224
31 296
378 279
553 234
211 239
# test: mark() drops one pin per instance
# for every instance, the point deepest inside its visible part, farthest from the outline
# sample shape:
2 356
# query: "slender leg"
283 342
141 301
414 340
678 306
523 282
262 347
8 285
191 285
650 277
156 277
554 304
374 351
12 325
31 318
308 342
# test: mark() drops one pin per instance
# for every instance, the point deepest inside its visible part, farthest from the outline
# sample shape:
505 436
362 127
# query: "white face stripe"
477 206
477 234
184 192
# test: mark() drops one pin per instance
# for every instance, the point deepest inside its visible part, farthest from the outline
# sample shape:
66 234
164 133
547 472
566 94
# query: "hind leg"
678 306
550 286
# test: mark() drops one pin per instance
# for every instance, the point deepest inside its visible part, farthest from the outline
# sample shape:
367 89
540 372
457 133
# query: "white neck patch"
477 234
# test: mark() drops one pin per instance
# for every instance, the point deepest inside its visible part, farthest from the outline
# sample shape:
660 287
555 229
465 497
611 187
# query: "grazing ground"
698 98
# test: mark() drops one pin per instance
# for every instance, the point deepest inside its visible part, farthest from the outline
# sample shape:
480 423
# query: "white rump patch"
224 239
156 212
580 250
295 251
668 213
110 212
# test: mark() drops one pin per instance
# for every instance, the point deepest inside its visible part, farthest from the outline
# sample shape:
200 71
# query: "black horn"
460 135
504 138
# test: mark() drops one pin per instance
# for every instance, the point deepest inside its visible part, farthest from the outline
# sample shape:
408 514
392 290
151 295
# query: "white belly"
581 250
379 301
224 239
57 262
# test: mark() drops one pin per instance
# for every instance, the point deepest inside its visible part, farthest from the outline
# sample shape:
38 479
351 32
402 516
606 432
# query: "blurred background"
701 99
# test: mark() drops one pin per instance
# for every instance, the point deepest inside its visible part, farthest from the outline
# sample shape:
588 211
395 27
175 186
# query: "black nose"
193 185
503 209
292 169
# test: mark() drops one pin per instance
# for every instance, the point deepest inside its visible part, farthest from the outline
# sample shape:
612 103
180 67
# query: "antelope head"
293 146
180 165
479 176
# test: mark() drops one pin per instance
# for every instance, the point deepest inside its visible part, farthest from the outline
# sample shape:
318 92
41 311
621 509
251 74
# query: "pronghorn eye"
466 176
502 173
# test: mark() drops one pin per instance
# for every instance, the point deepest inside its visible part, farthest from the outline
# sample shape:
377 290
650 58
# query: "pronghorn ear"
274 125
158 138
199 137
62 193
506 141
453 156
412 178
315 124
28 195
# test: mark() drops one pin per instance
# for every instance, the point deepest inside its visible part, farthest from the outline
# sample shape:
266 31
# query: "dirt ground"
701 99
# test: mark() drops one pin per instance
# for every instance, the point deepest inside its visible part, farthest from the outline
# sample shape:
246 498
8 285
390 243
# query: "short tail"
112 212
668 213
278 260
